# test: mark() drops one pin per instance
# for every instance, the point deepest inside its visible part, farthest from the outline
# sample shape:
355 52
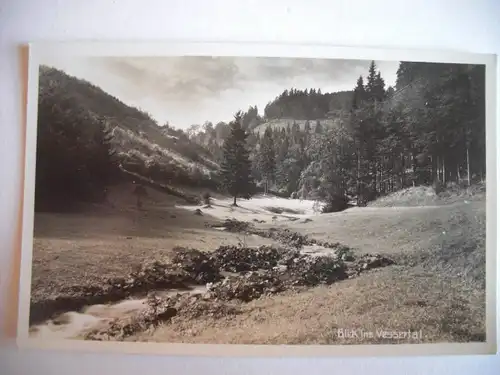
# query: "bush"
438 187
206 198
336 204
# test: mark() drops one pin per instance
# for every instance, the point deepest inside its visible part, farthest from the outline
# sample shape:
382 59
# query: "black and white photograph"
259 200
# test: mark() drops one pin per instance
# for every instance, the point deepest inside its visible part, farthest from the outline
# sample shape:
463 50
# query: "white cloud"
189 90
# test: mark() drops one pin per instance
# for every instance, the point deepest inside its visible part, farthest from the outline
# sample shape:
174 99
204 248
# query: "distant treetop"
308 104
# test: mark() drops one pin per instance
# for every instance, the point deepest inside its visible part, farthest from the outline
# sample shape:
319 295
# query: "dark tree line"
74 158
430 129
212 137
308 104
84 133
92 98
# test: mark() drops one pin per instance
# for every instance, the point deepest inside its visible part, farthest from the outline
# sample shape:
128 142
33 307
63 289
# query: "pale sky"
191 90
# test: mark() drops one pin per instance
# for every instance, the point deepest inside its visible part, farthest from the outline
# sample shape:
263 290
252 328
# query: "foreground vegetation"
437 284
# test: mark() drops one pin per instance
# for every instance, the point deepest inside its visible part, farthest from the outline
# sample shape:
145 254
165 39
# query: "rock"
199 265
252 286
310 271
347 257
368 262
167 314
158 274
258 221
206 296
233 225
289 238
198 212
280 268
241 259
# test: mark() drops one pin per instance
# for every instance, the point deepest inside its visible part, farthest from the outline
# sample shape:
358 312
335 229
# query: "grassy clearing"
107 241
437 286
398 299
427 196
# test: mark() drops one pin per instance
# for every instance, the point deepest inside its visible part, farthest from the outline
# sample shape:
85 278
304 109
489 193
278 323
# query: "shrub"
438 186
206 198
335 204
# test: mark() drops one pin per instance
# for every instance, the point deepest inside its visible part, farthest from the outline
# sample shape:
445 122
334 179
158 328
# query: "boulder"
199 265
242 259
311 271
249 287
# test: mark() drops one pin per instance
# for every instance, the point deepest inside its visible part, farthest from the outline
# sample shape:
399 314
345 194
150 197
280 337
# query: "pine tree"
236 165
319 128
359 94
379 89
371 82
307 127
390 92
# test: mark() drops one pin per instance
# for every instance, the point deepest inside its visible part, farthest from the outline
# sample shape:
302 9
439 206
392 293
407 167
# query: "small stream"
72 324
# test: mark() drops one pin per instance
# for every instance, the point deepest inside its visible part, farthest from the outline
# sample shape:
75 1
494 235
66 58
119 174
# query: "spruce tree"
359 94
236 165
379 88
307 127
371 82
319 128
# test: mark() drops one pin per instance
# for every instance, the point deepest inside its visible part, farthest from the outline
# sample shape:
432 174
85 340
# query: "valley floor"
437 285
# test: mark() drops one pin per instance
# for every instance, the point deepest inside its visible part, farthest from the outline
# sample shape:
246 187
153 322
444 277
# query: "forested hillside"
351 146
85 134
308 104
430 129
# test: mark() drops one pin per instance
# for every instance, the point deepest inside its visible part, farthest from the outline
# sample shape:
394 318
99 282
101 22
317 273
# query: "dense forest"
308 104
86 137
75 161
428 129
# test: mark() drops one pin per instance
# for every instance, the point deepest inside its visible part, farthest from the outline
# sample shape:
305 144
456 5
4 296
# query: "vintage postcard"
302 200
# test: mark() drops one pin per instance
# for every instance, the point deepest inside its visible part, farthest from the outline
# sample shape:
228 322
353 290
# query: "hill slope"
136 137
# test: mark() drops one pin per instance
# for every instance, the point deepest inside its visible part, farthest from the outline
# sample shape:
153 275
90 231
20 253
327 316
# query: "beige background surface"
470 25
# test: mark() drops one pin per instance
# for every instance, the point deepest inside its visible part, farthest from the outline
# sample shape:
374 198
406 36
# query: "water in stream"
71 324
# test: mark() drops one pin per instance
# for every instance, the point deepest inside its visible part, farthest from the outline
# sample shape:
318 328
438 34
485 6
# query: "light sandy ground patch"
268 209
